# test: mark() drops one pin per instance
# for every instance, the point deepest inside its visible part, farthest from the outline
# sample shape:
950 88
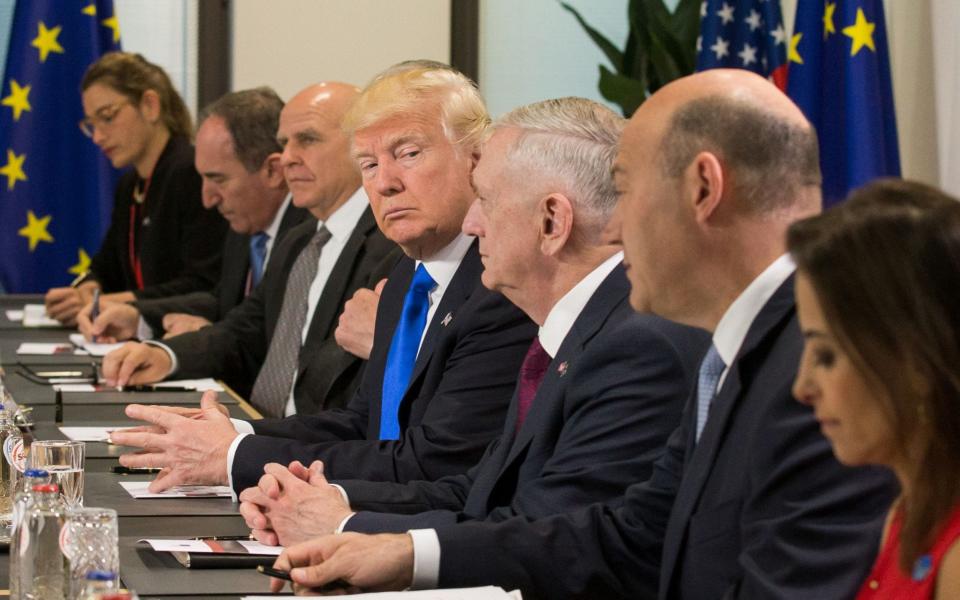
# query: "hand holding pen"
95 310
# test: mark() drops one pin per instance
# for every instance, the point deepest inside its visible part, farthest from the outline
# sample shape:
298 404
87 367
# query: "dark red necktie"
532 370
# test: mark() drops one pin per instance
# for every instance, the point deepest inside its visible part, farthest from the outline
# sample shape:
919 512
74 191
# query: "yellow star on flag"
113 24
17 100
46 41
793 55
90 9
13 170
861 32
828 25
36 230
83 264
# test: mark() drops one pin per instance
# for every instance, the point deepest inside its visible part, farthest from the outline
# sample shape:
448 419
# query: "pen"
277 573
152 388
79 279
122 470
95 311
225 538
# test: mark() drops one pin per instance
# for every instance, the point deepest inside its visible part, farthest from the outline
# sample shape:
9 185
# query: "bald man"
314 373
747 500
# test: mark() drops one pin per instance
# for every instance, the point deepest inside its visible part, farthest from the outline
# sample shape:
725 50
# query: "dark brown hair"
885 266
131 75
252 117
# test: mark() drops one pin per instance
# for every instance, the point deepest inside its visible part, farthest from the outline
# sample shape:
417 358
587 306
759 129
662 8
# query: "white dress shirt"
559 321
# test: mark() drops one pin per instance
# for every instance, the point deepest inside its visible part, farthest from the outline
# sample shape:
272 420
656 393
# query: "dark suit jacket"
760 508
180 241
601 416
234 348
231 290
454 406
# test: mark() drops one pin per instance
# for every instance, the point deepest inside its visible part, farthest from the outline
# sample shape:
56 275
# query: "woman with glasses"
877 303
161 241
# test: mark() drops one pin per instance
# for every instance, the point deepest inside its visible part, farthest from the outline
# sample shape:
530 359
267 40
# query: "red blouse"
888 582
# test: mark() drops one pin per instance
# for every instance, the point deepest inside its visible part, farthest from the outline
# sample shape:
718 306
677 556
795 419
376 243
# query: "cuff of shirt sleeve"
231 452
242 426
144 331
174 363
426 559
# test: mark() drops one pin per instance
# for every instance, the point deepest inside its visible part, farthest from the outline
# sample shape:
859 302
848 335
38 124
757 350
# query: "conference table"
151 574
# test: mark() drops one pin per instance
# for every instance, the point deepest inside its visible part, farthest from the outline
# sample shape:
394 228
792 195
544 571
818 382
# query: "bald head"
767 147
316 152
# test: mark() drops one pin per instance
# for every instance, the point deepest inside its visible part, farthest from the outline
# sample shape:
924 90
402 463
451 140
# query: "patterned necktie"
258 255
710 370
403 351
534 367
272 387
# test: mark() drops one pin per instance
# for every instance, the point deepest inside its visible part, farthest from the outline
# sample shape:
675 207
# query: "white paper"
15 315
255 547
75 387
35 315
44 349
138 489
88 434
477 593
93 348
201 547
200 385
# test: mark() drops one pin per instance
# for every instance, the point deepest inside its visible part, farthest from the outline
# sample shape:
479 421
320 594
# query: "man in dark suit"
315 373
238 158
445 351
615 384
748 500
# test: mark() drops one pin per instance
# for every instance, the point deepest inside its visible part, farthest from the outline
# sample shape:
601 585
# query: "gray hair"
252 117
571 142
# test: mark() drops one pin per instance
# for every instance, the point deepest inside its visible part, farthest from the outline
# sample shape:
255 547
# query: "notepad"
138 489
35 315
15 315
44 349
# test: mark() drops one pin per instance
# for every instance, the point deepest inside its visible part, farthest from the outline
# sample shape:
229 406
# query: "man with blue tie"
747 501
600 388
238 158
446 350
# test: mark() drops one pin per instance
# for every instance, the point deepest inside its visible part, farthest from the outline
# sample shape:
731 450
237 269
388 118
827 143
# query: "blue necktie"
258 255
710 370
403 351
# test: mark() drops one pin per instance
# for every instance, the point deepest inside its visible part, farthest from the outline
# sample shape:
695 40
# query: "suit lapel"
702 455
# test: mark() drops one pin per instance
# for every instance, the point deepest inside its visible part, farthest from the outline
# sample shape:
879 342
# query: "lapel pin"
446 320
562 368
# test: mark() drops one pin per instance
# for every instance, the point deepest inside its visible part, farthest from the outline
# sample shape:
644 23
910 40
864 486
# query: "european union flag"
56 189
743 34
840 77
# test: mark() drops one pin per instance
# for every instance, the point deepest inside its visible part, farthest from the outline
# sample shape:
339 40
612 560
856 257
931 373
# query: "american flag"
743 34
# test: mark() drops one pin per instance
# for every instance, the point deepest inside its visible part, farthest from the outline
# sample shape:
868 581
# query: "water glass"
63 459
89 541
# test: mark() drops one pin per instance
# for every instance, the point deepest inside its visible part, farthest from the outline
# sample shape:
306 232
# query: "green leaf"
627 92
613 54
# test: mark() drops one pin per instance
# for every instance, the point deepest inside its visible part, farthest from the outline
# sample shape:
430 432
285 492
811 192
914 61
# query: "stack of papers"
138 489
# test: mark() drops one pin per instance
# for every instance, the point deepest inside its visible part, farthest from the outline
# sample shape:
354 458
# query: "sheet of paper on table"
15 315
477 593
35 315
202 547
88 434
92 348
138 489
199 385
44 349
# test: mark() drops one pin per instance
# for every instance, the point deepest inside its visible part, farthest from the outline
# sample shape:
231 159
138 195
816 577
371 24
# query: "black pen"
122 470
95 311
152 388
276 573
225 538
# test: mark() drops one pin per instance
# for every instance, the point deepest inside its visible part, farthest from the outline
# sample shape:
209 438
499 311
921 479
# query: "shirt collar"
274 227
443 265
564 313
343 220
732 328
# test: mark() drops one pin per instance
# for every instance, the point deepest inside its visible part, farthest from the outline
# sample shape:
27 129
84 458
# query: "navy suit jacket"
760 507
454 406
602 414
232 287
234 348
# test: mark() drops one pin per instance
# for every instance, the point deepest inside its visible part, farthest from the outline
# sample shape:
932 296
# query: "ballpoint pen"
95 310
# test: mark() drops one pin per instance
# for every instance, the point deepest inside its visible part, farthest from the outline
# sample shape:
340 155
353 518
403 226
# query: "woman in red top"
877 296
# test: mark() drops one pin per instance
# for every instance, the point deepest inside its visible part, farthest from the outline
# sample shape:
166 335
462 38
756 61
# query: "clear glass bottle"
98 584
21 500
11 440
43 571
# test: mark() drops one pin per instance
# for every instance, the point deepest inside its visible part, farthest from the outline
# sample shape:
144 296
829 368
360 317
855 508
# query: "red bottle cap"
46 488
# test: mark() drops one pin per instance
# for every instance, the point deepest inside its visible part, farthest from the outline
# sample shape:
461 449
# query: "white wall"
289 44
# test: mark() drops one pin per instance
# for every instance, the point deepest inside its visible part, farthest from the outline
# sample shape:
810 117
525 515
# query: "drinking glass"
89 541
63 459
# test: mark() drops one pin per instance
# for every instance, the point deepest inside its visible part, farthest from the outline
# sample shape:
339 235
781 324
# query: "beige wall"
288 44
911 57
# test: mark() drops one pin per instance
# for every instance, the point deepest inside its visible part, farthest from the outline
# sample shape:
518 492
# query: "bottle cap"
46 488
38 473
100 576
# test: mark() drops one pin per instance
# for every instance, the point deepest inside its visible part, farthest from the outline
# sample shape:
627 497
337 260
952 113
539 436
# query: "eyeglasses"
103 116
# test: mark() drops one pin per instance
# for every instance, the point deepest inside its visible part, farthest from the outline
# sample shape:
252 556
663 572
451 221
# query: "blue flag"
56 188
840 77
743 34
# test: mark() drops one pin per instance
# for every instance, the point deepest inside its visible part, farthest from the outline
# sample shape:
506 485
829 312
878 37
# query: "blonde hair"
409 87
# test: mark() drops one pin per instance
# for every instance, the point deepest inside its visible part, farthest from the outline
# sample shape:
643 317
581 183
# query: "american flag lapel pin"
562 368
446 320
